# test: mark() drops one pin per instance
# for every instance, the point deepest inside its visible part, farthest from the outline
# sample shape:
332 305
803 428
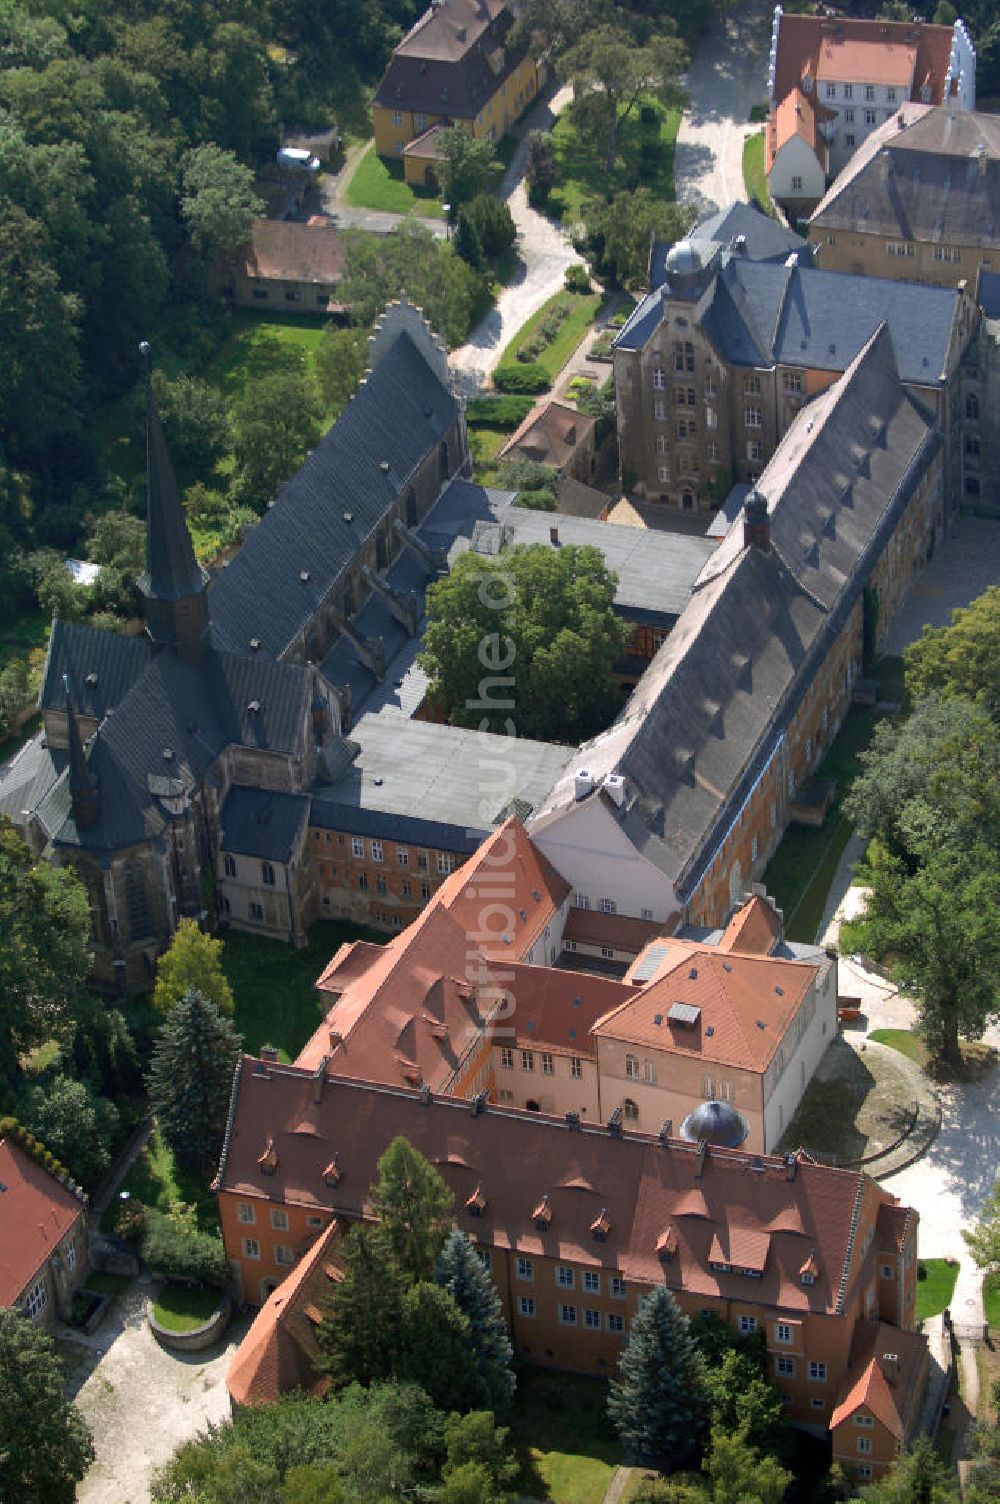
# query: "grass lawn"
582 171
991 1300
157 1180
263 344
485 444
583 309
935 1286
379 184
276 1002
181 1308
905 1041
801 871
754 176
560 1432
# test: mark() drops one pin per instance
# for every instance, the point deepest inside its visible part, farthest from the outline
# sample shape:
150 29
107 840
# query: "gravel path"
141 1401
728 75
545 254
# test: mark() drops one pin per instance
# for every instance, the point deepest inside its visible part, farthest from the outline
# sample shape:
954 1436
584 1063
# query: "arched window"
632 1067
140 919
631 1110
972 406
443 465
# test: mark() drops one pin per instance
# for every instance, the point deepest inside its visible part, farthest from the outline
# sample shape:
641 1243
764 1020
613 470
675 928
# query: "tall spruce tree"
415 1209
438 1350
659 1404
191 1078
360 1332
461 1272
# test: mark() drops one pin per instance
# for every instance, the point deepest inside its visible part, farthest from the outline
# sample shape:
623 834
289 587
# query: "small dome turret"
717 1123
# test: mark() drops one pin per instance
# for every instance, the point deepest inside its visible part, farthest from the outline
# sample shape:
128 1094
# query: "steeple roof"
172 571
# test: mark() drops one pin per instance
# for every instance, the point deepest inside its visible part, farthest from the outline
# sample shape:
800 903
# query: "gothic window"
443 460
381 551
410 508
972 406
140 918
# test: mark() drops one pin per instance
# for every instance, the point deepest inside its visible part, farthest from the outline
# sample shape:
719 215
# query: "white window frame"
616 1323
251 1248
576 1067
506 1058
526 1271
784 1333
592 1281
863 1446
548 1064
245 1213
616 1287
378 851
283 1255
526 1307
567 1315
784 1366
591 1319
565 1277
527 1060
817 1371
358 847
36 1300
748 1324
279 1219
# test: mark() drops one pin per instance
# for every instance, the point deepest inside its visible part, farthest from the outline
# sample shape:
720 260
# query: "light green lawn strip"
936 1289
583 310
582 171
754 176
180 1308
379 184
905 1041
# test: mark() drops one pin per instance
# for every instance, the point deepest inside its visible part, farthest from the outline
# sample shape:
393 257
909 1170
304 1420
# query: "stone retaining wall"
199 1337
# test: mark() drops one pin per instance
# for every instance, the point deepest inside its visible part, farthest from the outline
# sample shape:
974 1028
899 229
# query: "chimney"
700 1160
319 1079
756 523
336 1038
583 783
981 159
791 1164
269 1052
890 1366
884 166
554 536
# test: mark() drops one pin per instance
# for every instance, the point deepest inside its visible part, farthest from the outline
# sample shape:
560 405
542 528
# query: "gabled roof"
550 434
289 251
799 115
763 239
451 61
887 1363
754 929
520 1160
927 175
509 888
262 823
280 1351
101 667
286 568
845 49
36 1213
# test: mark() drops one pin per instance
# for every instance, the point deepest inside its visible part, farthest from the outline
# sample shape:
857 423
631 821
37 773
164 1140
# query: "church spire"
82 783
173 582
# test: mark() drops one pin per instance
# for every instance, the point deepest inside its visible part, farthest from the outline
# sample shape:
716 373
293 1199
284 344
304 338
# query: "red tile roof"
872 52
506 887
522 1161
885 1377
555 1009
623 934
289 251
796 115
754 929
280 1351
746 1004
36 1213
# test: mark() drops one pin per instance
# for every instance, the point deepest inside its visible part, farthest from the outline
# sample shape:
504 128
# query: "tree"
74 1124
620 228
933 927
276 423
468 166
340 364
191 1078
476 1441
45 1446
984 1238
378 267
467 242
526 640
541 168
744 1400
313 1483
45 955
494 225
218 203
918 1477
437 1349
739 1473
415 1209
360 1331
196 424
13 692
192 959
461 1272
962 659
117 542
611 72
659 1404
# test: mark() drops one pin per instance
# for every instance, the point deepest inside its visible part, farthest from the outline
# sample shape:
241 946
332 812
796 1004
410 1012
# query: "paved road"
545 254
728 75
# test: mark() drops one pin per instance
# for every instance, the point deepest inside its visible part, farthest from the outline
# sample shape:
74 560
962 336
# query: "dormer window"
333 1174
807 83
267 1162
601 1226
542 1215
476 1204
808 1278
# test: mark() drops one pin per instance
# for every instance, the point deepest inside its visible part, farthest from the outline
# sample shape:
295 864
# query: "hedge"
529 378
505 413
11 1128
178 1254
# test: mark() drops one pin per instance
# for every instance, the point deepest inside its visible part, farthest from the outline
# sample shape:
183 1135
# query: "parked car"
297 156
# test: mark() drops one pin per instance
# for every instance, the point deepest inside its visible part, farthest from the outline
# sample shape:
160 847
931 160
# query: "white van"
297 156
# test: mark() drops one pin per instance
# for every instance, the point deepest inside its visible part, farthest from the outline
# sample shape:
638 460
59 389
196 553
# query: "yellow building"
454 67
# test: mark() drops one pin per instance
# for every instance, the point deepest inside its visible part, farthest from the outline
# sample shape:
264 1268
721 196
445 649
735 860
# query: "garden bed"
552 334
189 1318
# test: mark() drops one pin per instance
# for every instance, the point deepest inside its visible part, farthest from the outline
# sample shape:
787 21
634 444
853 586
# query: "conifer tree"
414 1207
360 1332
461 1272
438 1350
191 1078
659 1405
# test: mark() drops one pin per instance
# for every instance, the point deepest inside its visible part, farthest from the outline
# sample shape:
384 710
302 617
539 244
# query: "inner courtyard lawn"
582 168
566 1449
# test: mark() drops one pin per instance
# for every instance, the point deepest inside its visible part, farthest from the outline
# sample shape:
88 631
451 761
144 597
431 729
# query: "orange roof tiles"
619 931
796 115
289 251
505 888
884 1377
546 1183
870 1391
875 52
555 1009
754 929
746 1004
36 1213
280 1351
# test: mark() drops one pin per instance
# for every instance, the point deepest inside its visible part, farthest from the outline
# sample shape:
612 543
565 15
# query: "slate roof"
261 823
190 712
765 239
923 181
29 777
656 570
759 314
101 667
451 61
703 721
400 413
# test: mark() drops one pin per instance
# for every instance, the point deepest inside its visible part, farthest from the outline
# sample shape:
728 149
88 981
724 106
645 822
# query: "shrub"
181 1253
497 412
649 115
577 278
651 151
528 379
